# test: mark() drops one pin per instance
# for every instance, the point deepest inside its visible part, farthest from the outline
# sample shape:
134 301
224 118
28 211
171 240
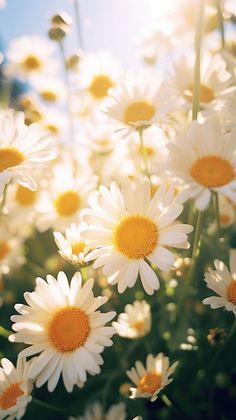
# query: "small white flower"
139 101
150 380
22 149
203 160
223 282
135 322
64 196
127 228
61 322
72 247
15 388
215 79
30 55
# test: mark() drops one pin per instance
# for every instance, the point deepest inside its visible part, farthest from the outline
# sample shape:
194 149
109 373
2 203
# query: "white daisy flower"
97 74
95 412
150 380
139 101
135 322
72 247
15 388
61 322
128 227
50 89
22 149
215 79
65 195
223 282
203 160
30 55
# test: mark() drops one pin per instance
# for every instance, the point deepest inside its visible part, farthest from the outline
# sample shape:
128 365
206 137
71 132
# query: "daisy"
135 322
98 73
138 102
95 412
151 380
215 79
64 196
30 55
223 282
22 149
203 160
50 89
72 247
127 228
61 322
15 388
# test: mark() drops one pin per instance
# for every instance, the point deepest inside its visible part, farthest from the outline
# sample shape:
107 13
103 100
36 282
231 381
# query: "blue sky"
106 24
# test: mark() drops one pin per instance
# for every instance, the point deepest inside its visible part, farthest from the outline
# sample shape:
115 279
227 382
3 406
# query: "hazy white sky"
106 24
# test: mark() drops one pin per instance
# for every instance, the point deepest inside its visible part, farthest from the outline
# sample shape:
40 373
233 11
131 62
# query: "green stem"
69 113
197 235
143 152
49 406
215 199
78 26
4 198
166 401
4 332
221 23
197 66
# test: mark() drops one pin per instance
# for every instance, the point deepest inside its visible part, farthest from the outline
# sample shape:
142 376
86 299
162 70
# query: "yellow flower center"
77 247
100 85
68 329
212 171
150 382
53 128
24 196
48 95
9 397
67 203
10 157
206 94
135 236
138 111
4 249
138 326
31 63
231 292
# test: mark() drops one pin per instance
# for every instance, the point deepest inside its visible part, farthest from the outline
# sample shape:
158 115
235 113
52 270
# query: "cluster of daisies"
108 161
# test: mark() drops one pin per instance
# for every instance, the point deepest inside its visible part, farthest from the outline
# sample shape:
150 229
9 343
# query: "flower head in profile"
127 228
15 388
223 282
135 322
95 412
150 380
72 247
22 149
138 102
61 322
203 160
